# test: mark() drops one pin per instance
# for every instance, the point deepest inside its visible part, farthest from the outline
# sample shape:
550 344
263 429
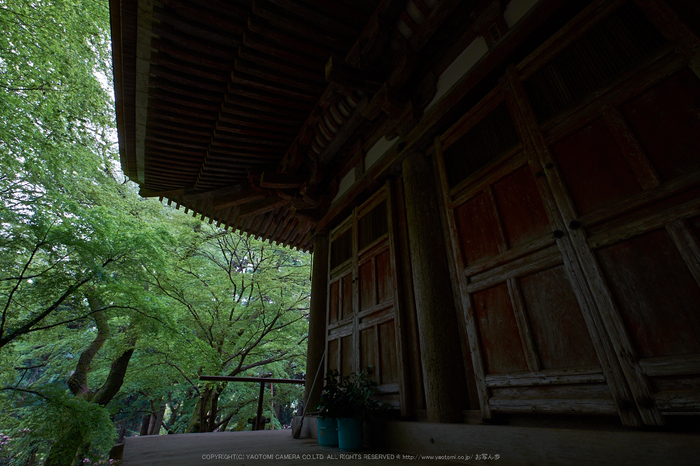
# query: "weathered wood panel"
557 323
500 339
548 377
387 350
476 224
573 391
333 355
553 405
521 208
347 356
333 302
367 285
385 288
676 383
656 294
368 352
675 365
665 120
594 169
346 297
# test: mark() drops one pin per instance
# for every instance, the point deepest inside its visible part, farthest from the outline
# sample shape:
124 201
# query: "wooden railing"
258 422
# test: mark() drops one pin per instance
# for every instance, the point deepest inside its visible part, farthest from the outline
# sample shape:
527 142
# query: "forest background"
112 305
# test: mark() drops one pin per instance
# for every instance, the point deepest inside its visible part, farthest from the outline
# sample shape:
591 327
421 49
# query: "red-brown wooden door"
362 324
624 167
533 338
608 116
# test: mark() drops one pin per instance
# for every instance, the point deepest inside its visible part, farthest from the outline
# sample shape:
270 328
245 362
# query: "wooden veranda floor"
260 448
435 443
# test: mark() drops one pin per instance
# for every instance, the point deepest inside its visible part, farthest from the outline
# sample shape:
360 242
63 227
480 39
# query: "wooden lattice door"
362 322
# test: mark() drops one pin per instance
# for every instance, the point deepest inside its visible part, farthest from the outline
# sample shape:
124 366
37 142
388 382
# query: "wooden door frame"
383 194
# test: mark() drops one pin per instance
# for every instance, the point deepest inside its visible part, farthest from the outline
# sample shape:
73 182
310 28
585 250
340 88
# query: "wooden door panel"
333 302
498 331
385 286
656 294
346 303
362 309
666 120
594 168
617 159
334 355
347 356
694 224
367 285
560 333
520 206
523 318
477 227
389 371
368 349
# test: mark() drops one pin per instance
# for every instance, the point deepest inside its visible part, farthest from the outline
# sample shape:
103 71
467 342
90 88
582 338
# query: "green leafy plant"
351 396
329 404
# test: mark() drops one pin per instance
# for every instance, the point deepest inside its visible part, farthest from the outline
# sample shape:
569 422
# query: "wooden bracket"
340 72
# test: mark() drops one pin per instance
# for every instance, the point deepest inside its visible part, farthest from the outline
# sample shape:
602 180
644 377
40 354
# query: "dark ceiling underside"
227 111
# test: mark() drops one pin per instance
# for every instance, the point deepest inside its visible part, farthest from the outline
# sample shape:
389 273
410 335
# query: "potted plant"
329 410
356 407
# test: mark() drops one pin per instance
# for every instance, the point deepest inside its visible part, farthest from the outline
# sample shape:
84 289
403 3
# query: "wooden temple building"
502 197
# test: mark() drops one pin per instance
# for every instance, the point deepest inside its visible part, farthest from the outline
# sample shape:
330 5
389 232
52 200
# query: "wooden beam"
345 132
193 195
275 180
318 19
146 192
242 197
310 215
258 79
280 18
262 206
340 72
224 378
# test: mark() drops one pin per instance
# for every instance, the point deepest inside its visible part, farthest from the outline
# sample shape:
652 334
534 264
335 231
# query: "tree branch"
77 382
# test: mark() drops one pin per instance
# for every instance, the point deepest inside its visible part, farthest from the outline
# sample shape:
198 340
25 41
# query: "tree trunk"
159 420
214 409
115 379
194 425
204 409
144 424
64 451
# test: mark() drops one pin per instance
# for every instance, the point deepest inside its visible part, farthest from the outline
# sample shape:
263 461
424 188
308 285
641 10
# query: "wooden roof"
247 112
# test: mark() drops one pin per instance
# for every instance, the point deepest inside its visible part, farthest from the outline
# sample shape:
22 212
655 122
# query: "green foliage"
195 299
52 413
353 396
329 403
52 107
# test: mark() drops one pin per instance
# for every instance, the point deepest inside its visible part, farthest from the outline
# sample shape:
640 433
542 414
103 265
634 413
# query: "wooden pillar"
317 321
443 371
258 424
